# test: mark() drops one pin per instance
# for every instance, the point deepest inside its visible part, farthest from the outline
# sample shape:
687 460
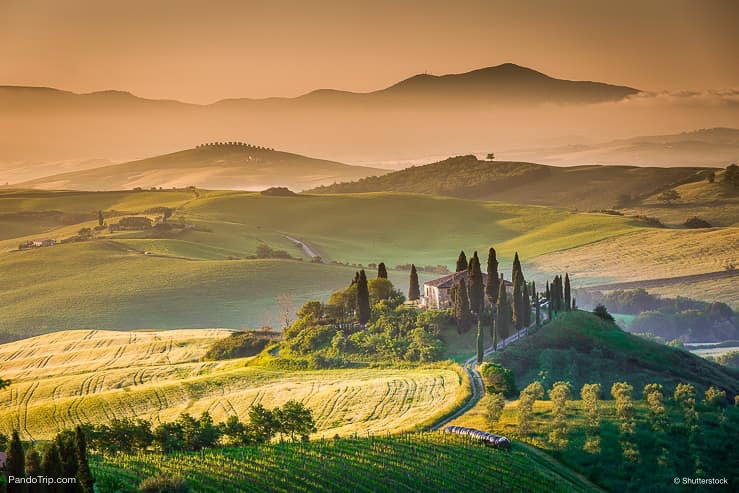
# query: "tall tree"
561 293
516 267
491 283
480 343
34 469
381 271
414 292
461 306
70 464
502 315
84 475
101 219
537 308
547 294
517 311
526 306
461 262
476 287
15 463
567 293
363 304
52 467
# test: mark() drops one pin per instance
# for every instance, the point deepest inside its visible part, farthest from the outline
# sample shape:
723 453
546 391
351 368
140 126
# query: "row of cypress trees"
65 457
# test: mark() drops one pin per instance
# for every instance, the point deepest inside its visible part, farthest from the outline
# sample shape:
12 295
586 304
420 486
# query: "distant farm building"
437 292
43 243
132 223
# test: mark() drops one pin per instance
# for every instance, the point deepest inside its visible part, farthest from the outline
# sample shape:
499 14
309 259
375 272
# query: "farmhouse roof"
449 280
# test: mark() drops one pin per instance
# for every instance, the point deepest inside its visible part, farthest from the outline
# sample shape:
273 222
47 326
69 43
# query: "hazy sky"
201 51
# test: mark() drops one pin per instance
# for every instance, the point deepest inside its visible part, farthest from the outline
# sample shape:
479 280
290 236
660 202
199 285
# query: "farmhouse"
437 292
43 243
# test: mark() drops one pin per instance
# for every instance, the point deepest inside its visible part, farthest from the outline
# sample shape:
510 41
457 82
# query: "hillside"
583 187
704 147
207 276
419 463
66 378
222 166
580 348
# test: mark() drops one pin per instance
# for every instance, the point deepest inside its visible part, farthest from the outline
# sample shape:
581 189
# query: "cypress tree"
476 287
567 293
461 262
68 455
517 302
549 310
547 295
363 304
526 306
52 467
461 306
574 304
414 291
491 284
15 463
101 219
381 271
480 343
34 469
84 475
502 316
561 294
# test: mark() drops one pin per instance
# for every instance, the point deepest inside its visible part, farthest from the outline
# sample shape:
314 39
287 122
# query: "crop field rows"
416 462
157 375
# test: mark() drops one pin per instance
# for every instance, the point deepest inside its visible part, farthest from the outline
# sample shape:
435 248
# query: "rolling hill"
583 187
581 348
222 166
704 147
66 378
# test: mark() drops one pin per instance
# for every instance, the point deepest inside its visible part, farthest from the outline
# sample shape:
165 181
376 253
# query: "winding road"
306 249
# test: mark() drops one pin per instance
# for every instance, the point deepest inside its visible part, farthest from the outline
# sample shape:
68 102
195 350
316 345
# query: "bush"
696 222
164 483
237 345
602 312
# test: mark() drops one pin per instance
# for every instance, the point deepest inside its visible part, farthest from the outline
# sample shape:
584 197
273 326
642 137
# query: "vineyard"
411 462
67 378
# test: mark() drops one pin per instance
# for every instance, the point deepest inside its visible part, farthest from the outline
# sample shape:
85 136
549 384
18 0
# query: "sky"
203 51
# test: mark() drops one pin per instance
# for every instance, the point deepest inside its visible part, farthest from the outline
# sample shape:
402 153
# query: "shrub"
602 312
164 483
237 345
696 222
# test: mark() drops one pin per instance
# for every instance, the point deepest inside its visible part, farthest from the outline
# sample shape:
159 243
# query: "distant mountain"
503 84
705 147
233 166
424 114
583 187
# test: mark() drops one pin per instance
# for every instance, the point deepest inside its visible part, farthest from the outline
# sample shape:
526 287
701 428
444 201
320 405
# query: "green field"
430 462
203 277
66 378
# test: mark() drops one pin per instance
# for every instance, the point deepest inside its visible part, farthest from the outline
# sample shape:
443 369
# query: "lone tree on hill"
669 196
381 271
476 288
414 293
491 284
363 304
602 312
461 262
568 293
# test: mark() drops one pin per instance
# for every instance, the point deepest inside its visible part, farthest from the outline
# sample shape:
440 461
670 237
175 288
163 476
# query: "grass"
62 379
580 348
419 462
192 283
